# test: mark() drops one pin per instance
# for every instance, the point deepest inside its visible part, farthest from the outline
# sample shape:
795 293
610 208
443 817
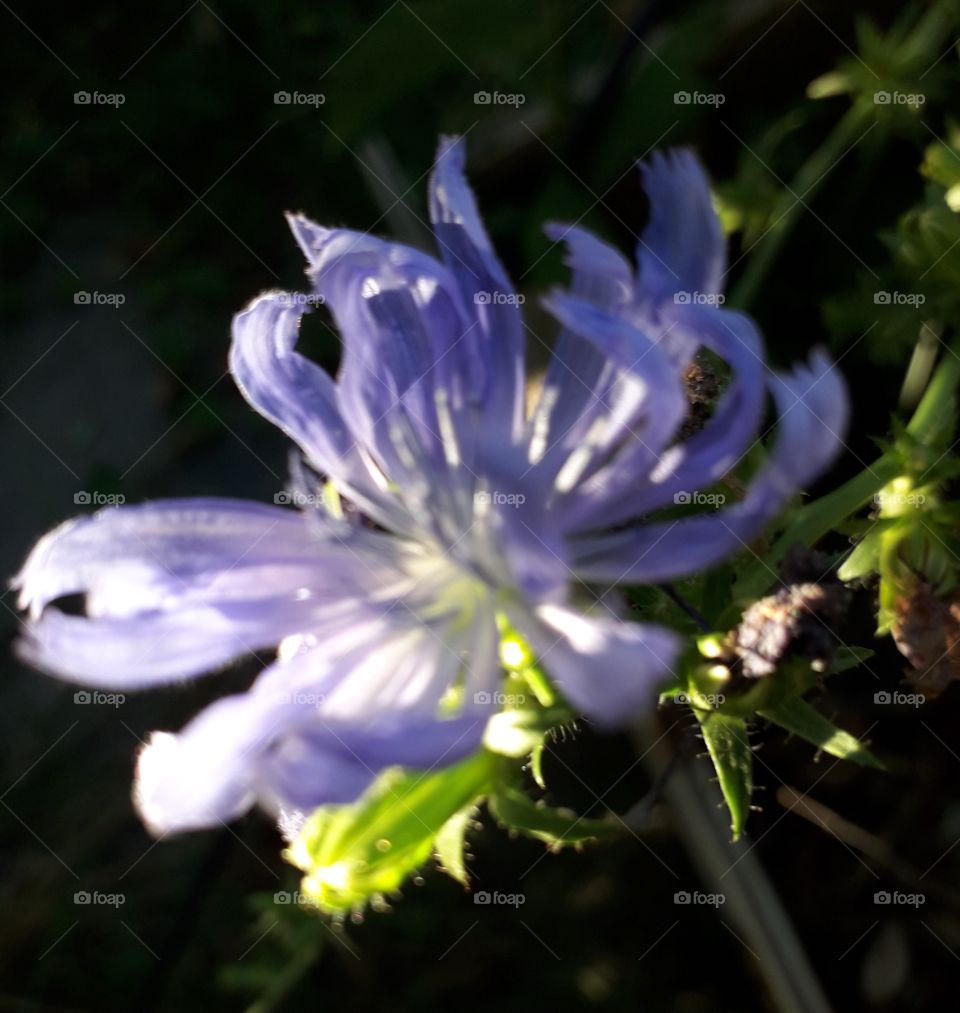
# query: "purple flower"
461 510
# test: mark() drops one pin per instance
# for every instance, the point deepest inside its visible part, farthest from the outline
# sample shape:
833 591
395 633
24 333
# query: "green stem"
921 364
935 416
804 186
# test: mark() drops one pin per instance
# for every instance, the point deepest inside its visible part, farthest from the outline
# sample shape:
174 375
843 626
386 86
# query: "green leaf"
353 854
558 828
849 657
450 841
863 560
801 718
536 764
729 746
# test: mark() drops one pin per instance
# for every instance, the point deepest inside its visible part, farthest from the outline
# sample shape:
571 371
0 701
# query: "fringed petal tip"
682 247
33 581
665 166
310 237
589 255
814 408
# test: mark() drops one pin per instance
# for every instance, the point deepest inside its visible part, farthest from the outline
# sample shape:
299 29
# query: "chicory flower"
463 510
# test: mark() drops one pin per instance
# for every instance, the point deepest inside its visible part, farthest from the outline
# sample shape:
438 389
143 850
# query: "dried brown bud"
796 621
927 633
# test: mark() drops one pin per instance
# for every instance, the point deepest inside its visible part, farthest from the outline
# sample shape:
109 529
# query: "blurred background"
149 154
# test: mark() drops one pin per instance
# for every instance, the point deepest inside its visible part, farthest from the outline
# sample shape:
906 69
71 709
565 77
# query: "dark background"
174 200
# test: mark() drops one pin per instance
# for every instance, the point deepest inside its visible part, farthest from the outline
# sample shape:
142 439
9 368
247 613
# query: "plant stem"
804 186
753 905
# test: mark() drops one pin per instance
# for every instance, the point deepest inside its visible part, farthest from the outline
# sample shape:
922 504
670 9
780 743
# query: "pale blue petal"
485 288
682 249
607 668
814 408
633 486
136 556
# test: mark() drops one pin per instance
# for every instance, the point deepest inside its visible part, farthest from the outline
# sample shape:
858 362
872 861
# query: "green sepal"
800 718
450 842
863 560
536 764
556 827
728 743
